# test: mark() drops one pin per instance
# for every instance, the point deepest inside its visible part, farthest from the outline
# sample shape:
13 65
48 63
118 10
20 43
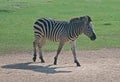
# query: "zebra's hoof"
55 64
77 63
34 59
55 61
42 61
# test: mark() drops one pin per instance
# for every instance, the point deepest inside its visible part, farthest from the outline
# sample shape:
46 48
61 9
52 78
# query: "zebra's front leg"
74 52
58 52
40 45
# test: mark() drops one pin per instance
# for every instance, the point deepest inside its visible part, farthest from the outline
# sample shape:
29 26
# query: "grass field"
17 18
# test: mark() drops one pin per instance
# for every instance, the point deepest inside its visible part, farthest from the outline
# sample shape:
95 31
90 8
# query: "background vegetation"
17 18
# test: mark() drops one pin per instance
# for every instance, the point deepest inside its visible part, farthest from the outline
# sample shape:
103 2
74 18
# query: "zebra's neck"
76 29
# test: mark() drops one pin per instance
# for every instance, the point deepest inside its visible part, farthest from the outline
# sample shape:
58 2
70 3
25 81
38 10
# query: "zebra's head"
87 28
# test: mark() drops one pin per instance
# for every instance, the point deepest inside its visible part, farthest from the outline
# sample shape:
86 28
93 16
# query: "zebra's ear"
89 19
75 20
85 19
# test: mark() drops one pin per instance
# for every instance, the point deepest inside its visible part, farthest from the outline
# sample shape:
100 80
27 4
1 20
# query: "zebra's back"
50 29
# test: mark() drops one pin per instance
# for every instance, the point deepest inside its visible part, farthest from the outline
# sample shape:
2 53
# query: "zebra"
62 32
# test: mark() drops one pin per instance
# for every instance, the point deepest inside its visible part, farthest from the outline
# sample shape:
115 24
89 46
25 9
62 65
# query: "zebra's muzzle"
93 37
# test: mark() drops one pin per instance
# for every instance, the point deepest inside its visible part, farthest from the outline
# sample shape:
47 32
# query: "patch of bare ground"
96 66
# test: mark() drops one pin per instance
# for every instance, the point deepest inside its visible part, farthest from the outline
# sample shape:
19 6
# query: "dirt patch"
96 66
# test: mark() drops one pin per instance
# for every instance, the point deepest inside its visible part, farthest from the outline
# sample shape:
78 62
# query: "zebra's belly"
54 39
57 38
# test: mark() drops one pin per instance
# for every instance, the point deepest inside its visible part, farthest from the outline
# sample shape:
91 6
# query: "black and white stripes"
61 31
56 30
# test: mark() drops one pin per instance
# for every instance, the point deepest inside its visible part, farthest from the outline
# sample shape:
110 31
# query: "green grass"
17 18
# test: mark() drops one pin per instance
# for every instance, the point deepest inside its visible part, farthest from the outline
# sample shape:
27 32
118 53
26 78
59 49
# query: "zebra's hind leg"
40 45
58 52
74 52
35 44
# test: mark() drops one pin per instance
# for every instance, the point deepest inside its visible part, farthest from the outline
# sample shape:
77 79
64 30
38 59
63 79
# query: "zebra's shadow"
43 69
